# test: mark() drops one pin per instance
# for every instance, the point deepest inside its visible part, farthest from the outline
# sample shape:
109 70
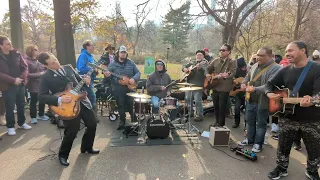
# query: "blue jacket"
82 67
127 68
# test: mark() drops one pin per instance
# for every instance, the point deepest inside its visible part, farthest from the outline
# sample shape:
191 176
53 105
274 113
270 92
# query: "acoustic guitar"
123 80
235 90
192 67
209 81
286 104
68 111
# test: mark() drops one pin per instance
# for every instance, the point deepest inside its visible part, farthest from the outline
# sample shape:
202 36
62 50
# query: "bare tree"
141 14
301 16
231 15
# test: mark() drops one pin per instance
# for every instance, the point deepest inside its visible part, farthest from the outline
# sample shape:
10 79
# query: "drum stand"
137 127
190 127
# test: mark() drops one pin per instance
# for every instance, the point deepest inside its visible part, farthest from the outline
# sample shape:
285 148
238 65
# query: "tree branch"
211 12
248 13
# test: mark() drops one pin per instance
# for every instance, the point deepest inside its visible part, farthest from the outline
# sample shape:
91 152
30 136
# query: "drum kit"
142 108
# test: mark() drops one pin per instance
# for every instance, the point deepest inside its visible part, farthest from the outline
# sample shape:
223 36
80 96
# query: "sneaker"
277 173
256 148
11 131
26 126
274 128
275 137
43 118
297 147
3 121
312 175
34 121
245 143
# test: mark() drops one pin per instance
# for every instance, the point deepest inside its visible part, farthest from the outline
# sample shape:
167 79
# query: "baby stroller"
106 100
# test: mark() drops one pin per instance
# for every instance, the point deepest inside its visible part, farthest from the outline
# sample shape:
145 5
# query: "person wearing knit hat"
207 55
316 56
156 85
196 77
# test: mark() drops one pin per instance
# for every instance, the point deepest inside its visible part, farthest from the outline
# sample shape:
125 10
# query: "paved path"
19 155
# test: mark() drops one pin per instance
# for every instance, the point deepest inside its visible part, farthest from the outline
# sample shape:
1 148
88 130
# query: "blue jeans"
257 120
155 104
197 97
14 96
155 107
91 95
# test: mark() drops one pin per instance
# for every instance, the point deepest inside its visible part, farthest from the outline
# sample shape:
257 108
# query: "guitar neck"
114 74
292 100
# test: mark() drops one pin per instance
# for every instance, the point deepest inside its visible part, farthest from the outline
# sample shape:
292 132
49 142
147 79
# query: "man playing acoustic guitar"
196 77
123 66
224 68
302 76
257 114
55 80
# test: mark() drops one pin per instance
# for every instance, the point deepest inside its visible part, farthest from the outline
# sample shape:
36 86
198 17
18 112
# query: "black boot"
121 125
64 161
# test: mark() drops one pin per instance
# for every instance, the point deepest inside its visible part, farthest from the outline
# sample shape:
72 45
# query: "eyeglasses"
123 52
223 50
159 64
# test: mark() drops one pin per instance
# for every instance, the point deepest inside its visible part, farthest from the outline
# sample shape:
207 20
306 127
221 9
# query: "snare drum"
142 106
170 103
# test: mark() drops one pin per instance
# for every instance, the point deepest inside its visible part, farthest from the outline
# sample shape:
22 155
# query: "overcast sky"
160 8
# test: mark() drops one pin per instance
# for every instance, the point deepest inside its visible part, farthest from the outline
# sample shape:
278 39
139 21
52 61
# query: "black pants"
14 96
274 119
290 132
220 102
73 126
240 103
33 105
125 104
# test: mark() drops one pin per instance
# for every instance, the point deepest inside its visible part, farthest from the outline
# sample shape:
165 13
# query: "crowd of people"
43 76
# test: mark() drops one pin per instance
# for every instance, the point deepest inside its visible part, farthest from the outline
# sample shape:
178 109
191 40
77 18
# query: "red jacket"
19 65
284 62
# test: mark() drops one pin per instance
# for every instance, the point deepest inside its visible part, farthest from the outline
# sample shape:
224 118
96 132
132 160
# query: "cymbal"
185 84
139 95
190 88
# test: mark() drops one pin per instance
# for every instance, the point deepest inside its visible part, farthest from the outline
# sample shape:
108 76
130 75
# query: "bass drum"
157 128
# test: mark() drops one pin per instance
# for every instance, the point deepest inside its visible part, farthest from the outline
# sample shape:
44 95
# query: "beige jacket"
219 66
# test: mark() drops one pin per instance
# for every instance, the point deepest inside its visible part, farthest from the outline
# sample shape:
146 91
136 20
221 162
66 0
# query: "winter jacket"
84 58
11 68
35 69
197 76
156 80
127 68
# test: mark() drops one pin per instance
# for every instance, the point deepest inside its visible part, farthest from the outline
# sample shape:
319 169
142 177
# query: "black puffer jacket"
156 80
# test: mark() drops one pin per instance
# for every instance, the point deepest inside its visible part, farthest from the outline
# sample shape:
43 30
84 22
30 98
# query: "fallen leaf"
184 155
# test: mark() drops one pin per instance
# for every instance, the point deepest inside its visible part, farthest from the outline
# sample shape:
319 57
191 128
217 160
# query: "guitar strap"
302 76
260 73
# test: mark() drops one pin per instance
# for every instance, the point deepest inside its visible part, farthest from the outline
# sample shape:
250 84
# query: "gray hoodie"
156 80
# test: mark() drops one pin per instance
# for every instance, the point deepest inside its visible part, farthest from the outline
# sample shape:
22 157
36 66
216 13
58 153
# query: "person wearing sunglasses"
156 85
225 68
36 70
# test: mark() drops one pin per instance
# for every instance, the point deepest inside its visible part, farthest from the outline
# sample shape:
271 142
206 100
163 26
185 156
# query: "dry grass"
174 70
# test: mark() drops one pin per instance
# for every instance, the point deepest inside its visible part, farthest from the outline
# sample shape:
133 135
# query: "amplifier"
219 136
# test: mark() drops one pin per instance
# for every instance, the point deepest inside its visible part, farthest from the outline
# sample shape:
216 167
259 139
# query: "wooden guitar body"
68 111
236 82
125 81
277 105
208 82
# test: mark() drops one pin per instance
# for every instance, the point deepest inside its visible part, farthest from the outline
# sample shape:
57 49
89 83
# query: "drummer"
156 85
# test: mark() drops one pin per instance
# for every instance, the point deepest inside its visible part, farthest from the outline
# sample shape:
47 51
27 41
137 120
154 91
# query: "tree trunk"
298 21
229 35
16 25
64 32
